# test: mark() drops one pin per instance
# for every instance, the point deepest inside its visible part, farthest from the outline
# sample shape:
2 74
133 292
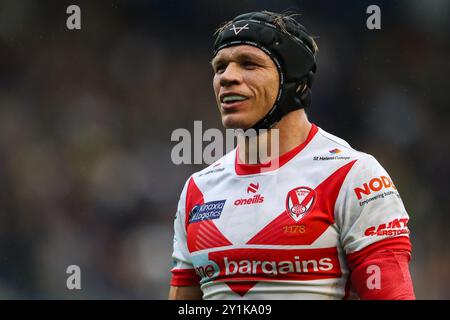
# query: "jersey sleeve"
183 272
369 209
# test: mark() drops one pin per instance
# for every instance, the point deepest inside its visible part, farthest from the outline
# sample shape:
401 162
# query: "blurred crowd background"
86 118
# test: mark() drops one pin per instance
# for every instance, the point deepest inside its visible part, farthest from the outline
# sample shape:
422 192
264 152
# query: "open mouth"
232 99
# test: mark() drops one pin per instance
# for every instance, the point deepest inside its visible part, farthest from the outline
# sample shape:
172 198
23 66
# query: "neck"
293 129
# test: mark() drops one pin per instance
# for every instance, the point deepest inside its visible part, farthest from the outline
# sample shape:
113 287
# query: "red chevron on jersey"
241 287
205 235
193 197
281 231
284 232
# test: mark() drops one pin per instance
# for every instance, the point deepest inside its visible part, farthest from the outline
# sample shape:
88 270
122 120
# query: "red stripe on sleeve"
184 277
398 243
380 271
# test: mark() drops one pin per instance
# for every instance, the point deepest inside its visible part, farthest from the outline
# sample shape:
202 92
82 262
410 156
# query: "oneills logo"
252 187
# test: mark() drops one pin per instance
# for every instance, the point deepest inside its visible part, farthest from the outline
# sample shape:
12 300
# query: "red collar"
245 169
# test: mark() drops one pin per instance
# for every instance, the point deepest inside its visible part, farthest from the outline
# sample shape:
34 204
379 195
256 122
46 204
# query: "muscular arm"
394 280
185 293
381 270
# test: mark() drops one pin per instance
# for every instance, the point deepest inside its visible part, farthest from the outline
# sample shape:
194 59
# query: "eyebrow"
240 57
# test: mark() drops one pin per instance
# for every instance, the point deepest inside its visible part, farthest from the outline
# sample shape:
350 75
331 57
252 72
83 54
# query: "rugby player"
325 222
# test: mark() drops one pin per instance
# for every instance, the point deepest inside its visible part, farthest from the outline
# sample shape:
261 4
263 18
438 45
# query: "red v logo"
242 287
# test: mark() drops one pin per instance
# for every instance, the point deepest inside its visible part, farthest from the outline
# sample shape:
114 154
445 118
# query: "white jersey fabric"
246 233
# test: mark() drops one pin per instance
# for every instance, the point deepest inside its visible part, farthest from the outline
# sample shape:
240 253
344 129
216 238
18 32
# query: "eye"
248 64
220 68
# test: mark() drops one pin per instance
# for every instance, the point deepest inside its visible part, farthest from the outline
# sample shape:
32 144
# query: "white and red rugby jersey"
286 233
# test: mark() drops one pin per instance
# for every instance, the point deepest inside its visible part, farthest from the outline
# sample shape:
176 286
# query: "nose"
231 75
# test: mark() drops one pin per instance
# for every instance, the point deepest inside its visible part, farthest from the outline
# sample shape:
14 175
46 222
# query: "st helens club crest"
299 202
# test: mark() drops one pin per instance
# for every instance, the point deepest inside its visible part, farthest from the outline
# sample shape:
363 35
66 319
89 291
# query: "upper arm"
183 272
185 293
383 274
369 208
374 234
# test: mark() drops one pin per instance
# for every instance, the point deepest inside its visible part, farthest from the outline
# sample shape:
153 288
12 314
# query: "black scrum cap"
293 55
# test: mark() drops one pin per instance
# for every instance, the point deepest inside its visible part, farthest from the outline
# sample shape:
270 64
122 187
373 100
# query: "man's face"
246 83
